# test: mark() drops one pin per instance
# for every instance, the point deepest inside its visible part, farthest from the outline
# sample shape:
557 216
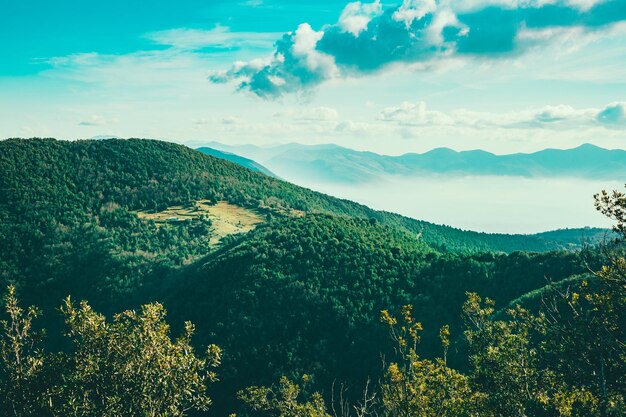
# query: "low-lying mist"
482 203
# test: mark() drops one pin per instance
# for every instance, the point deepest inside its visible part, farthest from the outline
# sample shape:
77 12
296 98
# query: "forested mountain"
69 210
143 174
332 163
301 293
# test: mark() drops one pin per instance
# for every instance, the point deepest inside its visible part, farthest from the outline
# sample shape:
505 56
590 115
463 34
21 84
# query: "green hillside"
71 221
69 181
317 284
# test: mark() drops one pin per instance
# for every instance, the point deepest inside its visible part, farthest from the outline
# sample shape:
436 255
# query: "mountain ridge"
262 190
245 162
337 164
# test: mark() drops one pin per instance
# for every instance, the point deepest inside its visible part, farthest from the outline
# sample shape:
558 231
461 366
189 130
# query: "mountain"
168 174
332 163
588 235
240 160
286 280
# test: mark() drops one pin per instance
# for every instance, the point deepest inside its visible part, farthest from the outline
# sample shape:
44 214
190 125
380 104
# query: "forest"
326 308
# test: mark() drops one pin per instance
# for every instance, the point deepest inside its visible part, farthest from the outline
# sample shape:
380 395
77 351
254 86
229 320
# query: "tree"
283 400
22 362
416 387
504 359
584 343
127 367
131 366
613 206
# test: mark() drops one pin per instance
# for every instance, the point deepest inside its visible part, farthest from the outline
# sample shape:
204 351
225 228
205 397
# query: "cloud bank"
368 38
562 116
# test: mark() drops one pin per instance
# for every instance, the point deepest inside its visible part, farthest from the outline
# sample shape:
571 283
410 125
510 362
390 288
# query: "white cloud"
583 4
304 47
560 117
356 16
614 114
418 33
412 10
442 18
414 114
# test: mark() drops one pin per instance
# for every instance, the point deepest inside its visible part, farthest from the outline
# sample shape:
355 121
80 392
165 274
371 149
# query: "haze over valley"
476 190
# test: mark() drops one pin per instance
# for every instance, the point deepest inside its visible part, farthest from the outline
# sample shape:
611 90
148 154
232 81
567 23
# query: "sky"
391 77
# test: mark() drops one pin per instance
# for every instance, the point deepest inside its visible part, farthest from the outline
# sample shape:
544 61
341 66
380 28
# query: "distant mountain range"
332 163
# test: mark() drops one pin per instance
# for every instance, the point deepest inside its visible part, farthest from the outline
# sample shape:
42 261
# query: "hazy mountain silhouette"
245 162
333 163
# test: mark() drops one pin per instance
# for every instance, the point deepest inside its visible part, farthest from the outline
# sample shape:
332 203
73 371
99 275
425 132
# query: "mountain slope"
304 295
144 174
240 160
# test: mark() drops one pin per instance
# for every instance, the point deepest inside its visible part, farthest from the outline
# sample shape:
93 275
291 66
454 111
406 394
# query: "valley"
516 193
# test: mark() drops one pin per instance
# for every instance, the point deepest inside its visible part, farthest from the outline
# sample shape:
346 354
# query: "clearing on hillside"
226 218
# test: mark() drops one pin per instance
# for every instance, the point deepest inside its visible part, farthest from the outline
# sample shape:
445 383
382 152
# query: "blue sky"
392 77
38 30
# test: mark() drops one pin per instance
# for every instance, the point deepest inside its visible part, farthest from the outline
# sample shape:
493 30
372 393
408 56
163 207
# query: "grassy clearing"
226 218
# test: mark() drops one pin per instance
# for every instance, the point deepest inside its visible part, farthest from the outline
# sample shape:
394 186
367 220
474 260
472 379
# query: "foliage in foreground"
568 360
127 367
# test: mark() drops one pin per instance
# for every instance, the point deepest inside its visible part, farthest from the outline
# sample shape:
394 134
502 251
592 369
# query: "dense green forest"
67 226
295 302
317 285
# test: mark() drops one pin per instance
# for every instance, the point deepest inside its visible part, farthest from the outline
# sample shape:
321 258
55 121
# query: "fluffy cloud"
412 10
613 114
356 16
368 38
297 63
